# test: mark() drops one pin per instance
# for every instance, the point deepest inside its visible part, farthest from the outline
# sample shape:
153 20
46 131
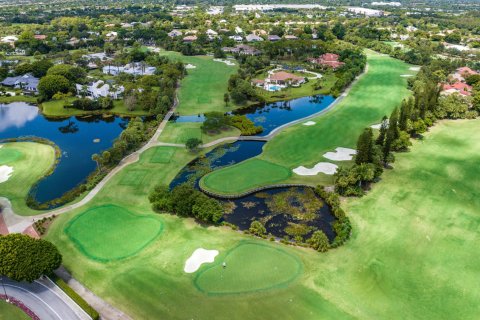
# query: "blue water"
73 135
273 115
222 156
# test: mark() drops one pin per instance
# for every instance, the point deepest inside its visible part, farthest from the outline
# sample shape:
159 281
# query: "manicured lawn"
260 172
413 250
182 131
30 162
110 232
373 96
18 98
54 108
10 312
203 88
250 267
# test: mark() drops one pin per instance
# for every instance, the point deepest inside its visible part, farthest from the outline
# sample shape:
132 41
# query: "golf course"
412 234
374 95
29 161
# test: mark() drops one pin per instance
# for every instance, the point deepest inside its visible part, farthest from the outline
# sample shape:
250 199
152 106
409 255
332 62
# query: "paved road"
45 299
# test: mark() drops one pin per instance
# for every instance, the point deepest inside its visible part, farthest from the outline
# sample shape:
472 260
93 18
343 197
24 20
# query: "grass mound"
249 267
8 155
260 173
162 155
110 232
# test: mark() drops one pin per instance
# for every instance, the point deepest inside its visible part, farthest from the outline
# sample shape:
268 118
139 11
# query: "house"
458 87
290 37
273 37
175 33
99 89
462 73
17 52
366 12
111 35
40 36
330 60
242 49
258 83
236 38
238 30
253 38
285 78
211 34
131 68
94 56
73 41
9 40
190 39
27 82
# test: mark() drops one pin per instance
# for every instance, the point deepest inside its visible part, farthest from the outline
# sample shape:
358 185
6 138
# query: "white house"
211 34
253 38
10 40
237 38
99 89
238 29
131 68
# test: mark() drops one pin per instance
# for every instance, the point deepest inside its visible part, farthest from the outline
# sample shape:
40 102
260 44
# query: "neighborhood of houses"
457 84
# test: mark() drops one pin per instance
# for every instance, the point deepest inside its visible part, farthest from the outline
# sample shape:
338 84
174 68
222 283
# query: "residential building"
290 37
99 89
10 40
462 73
131 68
236 38
458 87
273 37
330 60
27 82
40 36
190 39
175 33
253 38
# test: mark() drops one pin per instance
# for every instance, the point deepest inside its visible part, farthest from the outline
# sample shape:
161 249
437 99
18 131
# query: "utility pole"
4 290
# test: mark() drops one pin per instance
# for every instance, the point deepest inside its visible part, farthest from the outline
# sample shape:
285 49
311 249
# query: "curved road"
45 299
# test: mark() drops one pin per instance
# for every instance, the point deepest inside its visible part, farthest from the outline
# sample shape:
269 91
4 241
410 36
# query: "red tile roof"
460 87
282 76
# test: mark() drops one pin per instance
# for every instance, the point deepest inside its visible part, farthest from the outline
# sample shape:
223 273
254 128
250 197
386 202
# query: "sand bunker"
406 75
227 62
199 257
190 66
340 154
323 167
309 123
5 173
378 125
414 68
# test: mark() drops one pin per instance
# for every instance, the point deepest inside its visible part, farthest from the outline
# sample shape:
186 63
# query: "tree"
257 228
73 74
193 143
339 31
365 147
214 121
25 258
207 209
40 67
392 134
319 241
383 131
226 99
51 84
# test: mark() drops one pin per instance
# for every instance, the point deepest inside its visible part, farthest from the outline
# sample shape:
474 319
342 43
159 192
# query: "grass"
163 155
203 88
260 172
9 311
110 232
249 269
412 252
373 96
182 131
30 162
54 108
18 98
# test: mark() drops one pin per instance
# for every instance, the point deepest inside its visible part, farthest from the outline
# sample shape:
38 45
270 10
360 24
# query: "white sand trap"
199 257
378 125
5 173
1 145
227 62
340 154
323 167
309 123
190 66
406 75
414 68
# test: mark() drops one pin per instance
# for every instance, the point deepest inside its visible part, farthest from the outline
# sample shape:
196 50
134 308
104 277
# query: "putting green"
8 155
260 172
249 267
109 232
162 155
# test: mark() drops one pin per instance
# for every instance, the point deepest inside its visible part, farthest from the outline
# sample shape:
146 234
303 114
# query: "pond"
77 137
284 212
273 115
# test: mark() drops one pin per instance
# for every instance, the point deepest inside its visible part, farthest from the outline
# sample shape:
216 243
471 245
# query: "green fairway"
110 232
203 88
163 155
249 267
373 96
260 172
10 312
182 131
30 162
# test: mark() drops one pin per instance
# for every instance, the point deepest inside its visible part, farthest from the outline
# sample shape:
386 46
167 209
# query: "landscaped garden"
375 94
